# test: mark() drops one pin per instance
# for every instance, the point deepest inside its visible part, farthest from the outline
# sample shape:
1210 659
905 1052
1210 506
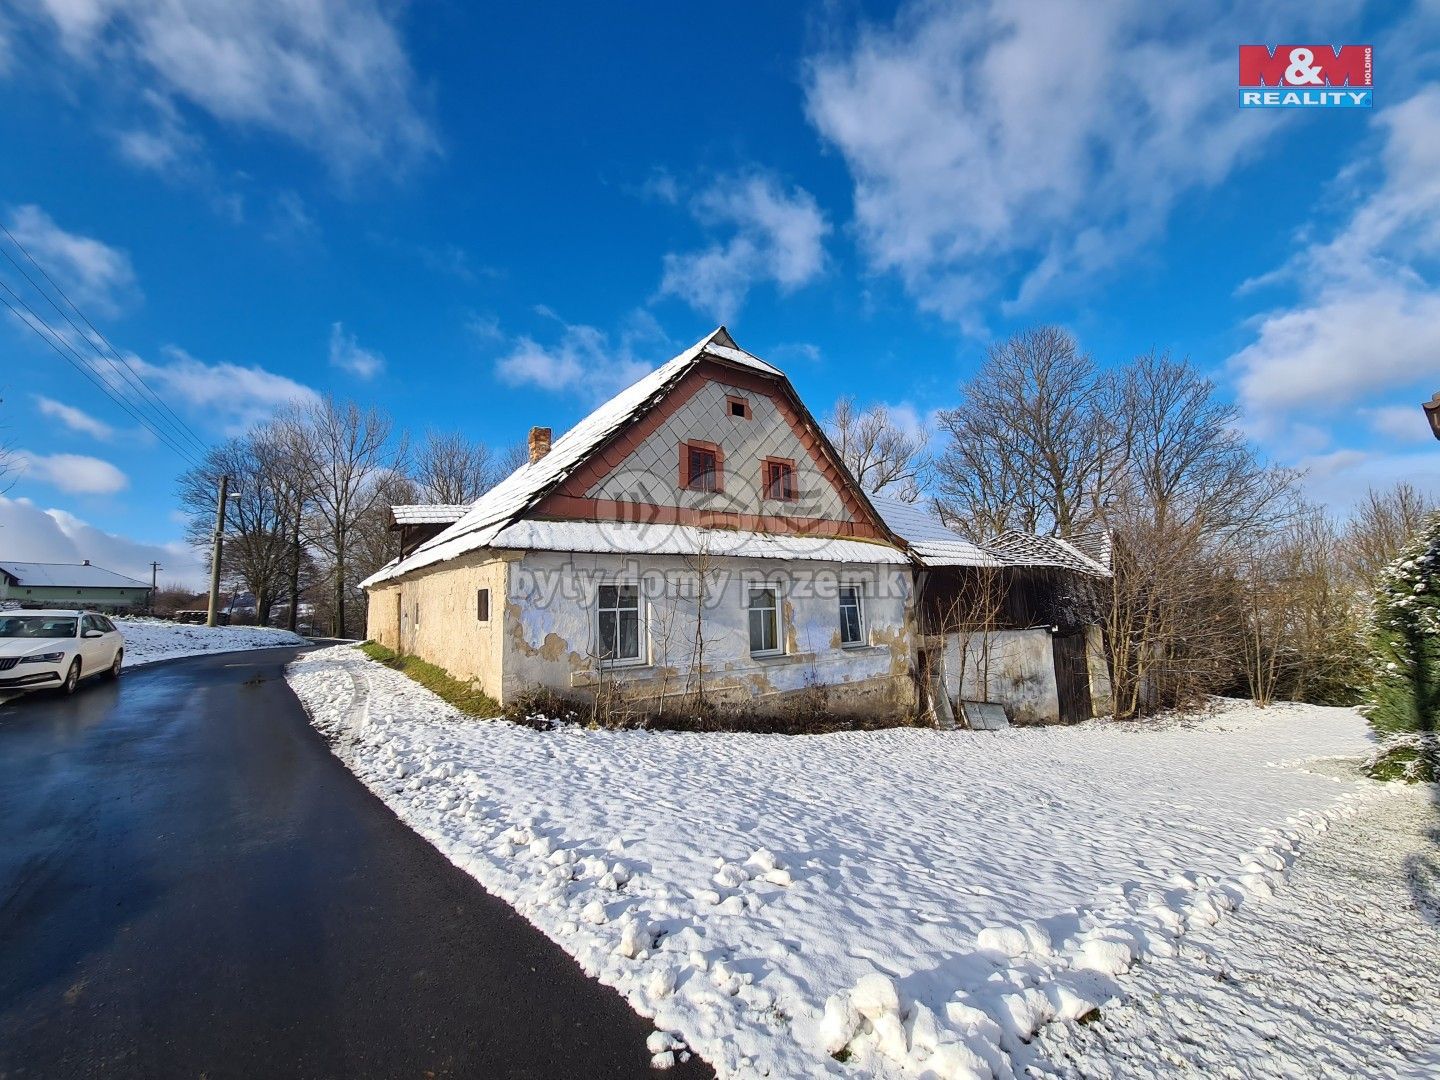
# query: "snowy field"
893 903
148 640
1338 975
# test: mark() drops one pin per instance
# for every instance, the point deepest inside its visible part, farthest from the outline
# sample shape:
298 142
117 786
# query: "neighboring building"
1015 621
696 531
71 585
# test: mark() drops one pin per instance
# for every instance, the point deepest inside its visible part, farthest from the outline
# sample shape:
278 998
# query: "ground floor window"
764 620
852 616
482 605
618 618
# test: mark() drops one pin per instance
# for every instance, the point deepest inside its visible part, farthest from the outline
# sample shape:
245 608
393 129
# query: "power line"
51 336
126 369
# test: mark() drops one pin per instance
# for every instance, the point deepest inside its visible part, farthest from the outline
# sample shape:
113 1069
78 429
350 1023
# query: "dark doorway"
1072 677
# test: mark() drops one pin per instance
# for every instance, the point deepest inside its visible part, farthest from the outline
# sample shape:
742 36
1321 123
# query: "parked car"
56 649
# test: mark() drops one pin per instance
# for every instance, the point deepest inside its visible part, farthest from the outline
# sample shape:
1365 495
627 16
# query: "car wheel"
72 679
119 662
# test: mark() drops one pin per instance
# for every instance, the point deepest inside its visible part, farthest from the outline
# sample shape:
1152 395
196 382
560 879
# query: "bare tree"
1381 526
374 544
1032 445
256 552
346 452
450 469
883 457
1189 500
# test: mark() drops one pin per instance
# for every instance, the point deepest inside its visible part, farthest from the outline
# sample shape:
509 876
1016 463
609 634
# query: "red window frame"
731 400
778 471
687 478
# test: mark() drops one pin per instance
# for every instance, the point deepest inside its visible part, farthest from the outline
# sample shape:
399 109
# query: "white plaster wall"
651 473
1019 672
550 635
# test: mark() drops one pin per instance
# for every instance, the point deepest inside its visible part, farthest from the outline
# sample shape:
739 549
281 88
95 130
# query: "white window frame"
859 590
777 616
641 637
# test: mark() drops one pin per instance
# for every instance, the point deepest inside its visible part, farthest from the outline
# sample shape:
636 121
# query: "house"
696 534
70 585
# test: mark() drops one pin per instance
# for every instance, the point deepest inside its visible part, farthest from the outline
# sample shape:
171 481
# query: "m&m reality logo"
1305 77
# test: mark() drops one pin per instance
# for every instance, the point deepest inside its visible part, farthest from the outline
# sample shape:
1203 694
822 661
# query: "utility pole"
155 569
215 551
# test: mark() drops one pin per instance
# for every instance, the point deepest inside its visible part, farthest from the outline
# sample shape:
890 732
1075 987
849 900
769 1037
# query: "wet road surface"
191 885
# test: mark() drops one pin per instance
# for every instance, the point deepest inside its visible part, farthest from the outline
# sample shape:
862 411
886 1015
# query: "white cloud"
76 474
1365 320
94 275
1023 139
231 397
1340 480
776 235
1401 423
73 418
349 356
332 75
31 534
584 358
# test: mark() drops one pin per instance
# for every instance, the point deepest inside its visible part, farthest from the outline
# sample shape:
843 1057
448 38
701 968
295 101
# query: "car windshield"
36 626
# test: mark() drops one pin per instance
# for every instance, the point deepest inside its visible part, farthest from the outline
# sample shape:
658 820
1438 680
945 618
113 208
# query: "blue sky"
490 220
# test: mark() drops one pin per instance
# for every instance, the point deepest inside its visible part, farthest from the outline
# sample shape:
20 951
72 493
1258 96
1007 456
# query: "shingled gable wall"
635 477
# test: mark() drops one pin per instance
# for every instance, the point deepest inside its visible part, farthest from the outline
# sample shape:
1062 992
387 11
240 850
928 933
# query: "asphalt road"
191 885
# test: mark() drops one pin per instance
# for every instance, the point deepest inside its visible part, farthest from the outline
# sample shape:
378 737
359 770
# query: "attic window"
779 477
702 466
737 407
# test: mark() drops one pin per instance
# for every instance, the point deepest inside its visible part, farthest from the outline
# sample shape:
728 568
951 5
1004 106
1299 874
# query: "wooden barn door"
1072 677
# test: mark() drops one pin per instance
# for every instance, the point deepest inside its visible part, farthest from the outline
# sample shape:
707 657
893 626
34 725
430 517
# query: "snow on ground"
896 903
148 640
1339 975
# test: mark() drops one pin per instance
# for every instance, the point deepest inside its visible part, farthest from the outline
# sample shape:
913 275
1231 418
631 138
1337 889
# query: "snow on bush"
901 902
1405 637
1405 659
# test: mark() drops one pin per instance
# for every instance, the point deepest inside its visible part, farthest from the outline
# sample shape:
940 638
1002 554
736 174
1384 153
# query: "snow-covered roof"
931 541
628 536
1026 549
431 514
68 576
935 544
507 500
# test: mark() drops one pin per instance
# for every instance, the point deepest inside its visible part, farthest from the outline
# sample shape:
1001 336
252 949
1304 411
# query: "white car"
56 649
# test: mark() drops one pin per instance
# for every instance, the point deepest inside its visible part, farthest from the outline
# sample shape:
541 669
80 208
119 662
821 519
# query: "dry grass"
465 695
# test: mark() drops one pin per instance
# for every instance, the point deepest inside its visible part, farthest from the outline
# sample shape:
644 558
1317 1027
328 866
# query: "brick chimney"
539 443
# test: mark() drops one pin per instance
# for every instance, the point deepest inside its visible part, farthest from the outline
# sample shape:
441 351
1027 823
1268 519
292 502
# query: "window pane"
628 647
627 596
482 605
764 624
849 624
757 631
607 635
608 595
